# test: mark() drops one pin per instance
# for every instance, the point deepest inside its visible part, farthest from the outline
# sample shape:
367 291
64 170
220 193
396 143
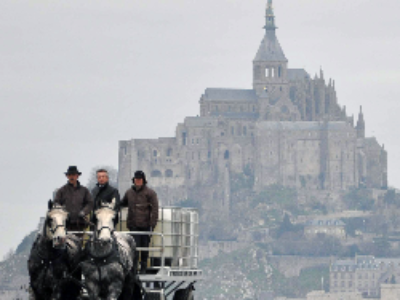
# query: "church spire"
360 125
269 17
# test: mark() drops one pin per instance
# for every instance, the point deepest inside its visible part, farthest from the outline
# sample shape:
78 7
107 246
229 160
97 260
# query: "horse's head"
105 216
56 220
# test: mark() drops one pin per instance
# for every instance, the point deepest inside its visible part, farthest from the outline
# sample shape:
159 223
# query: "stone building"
359 275
333 227
287 129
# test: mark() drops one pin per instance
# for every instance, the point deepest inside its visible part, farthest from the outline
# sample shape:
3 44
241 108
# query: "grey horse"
53 258
108 259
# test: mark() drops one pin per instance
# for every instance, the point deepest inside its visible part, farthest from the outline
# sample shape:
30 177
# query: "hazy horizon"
77 77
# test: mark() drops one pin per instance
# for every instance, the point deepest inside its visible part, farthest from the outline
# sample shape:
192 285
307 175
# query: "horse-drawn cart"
172 267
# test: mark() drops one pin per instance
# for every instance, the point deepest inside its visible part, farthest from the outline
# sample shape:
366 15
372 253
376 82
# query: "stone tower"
270 63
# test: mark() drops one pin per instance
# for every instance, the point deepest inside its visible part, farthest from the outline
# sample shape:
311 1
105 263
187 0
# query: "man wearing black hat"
142 206
76 198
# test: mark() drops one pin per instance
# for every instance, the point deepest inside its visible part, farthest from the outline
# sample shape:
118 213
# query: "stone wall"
291 266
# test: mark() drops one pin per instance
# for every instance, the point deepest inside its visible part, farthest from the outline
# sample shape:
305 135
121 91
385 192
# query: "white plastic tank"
180 227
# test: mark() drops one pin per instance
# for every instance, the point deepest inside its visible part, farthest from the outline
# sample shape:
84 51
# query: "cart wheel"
183 294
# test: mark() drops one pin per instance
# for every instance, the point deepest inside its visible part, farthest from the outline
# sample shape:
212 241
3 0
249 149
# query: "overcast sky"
78 76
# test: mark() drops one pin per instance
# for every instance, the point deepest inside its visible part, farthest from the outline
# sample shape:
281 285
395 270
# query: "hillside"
14 279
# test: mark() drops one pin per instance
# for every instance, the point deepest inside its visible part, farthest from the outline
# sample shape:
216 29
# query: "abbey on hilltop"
288 129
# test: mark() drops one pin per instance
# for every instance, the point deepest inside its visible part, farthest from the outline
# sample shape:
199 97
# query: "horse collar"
111 257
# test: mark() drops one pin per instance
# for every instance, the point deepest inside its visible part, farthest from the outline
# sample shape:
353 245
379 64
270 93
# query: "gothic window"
199 155
280 72
169 173
192 141
184 138
155 153
229 108
156 173
254 108
244 130
267 72
272 72
232 130
209 154
197 141
226 154
169 152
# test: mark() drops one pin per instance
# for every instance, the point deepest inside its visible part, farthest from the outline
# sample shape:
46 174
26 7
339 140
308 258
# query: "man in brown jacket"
142 206
76 198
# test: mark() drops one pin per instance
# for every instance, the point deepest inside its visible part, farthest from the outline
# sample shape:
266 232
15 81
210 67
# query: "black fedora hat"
72 170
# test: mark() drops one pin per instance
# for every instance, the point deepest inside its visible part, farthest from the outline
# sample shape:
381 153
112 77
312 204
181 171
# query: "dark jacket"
105 193
142 207
75 199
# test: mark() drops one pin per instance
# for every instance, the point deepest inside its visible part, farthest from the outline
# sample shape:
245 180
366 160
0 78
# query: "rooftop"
302 125
270 49
221 94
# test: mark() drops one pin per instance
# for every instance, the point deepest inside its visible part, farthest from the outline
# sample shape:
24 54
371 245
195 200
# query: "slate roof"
361 262
220 94
270 49
332 223
237 115
297 74
200 121
301 126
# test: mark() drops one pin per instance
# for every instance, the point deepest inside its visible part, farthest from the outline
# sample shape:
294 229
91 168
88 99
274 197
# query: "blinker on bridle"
53 230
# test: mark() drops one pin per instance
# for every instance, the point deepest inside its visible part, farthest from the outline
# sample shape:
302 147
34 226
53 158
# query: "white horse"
108 260
54 256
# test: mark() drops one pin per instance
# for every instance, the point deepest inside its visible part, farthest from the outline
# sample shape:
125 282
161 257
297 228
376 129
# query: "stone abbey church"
288 129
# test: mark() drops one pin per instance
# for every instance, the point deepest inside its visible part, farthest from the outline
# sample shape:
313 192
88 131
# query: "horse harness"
51 261
101 261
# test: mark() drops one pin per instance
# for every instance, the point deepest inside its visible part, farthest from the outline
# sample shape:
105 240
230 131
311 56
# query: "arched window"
244 130
169 173
184 136
279 71
156 173
226 154
155 153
